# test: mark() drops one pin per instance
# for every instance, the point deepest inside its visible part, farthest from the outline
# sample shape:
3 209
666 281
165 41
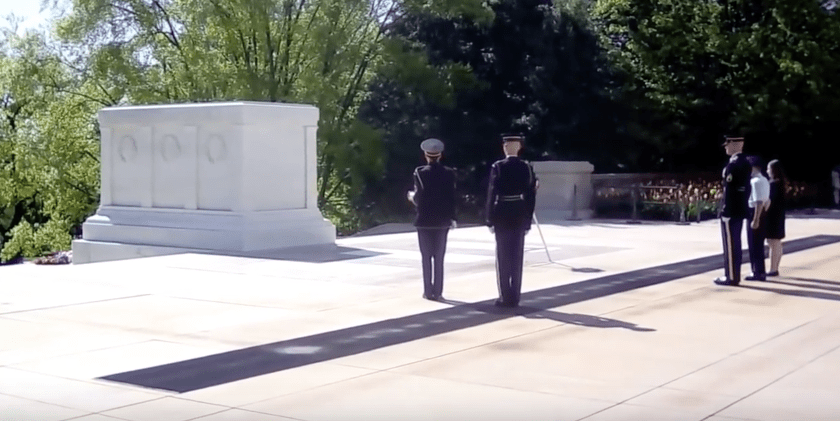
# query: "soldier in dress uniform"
434 196
736 193
511 197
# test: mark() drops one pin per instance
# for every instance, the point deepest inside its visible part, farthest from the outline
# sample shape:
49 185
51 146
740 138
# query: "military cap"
432 146
755 161
513 137
730 139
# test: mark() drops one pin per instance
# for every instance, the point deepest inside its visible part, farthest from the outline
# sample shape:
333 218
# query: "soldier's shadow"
586 320
576 319
572 268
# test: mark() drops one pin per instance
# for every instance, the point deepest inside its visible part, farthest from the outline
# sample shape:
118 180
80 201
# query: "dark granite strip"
199 373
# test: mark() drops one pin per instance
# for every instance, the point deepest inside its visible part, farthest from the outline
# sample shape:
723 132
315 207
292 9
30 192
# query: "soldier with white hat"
434 197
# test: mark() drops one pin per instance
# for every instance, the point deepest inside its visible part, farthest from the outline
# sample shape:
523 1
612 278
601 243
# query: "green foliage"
695 70
116 52
49 174
22 242
535 67
29 241
644 85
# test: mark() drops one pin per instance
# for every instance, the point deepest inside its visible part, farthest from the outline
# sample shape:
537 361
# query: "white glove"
410 196
454 224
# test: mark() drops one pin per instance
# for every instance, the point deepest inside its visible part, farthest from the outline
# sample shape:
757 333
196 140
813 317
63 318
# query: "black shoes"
726 281
756 278
773 273
501 303
432 297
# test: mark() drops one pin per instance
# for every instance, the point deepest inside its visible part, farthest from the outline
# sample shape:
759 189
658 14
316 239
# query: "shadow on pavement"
312 254
213 370
816 281
795 292
587 320
541 313
802 285
572 268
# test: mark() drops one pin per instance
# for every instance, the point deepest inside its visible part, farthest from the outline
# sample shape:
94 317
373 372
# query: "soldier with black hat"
511 198
736 193
434 196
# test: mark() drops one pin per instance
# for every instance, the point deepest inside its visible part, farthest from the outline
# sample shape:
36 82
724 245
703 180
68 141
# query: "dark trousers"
755 240
432 249
731 232
510 250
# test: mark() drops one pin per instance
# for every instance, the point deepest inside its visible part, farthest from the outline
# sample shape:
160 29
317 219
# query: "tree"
535 67
49 151
322 52
701 69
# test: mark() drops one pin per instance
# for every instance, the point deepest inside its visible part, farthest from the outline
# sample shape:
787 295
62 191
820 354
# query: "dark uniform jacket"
434 187
511 194
736 187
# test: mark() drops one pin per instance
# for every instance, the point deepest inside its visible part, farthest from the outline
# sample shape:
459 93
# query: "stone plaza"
623 323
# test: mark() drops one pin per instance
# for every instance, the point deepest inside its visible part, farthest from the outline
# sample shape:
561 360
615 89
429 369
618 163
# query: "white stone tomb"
225 178
556 197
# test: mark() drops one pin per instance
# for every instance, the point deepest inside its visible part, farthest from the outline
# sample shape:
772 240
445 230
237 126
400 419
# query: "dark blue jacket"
434 195
736 187
511 194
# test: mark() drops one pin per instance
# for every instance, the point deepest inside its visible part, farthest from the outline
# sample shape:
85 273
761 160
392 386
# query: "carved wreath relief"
127 149
215 149
170 148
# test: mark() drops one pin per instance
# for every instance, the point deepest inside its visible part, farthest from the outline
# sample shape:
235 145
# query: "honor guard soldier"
434 197
736 193
511 197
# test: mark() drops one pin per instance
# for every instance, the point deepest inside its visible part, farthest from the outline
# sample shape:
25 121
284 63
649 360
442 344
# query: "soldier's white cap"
513 137
432 146
729 139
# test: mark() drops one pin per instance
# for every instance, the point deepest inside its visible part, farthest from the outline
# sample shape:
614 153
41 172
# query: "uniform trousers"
432 249
731 233
755 240
510 251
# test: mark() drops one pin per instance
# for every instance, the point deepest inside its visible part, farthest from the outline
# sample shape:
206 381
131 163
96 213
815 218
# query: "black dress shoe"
773 273
429 297
725 281
502 303
755 278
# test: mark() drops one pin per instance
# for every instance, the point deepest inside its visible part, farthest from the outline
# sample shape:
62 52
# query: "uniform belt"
513 198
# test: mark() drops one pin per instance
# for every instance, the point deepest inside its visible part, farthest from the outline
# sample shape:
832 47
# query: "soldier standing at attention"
434 196
736 193
511 198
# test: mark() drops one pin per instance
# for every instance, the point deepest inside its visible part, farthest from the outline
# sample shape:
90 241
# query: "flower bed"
663 197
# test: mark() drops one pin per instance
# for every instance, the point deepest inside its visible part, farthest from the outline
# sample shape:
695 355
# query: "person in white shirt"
758 203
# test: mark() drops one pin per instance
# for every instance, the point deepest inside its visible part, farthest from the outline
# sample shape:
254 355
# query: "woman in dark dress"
775 216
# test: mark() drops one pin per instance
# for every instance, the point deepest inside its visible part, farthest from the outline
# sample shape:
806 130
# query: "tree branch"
54 84
168 20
